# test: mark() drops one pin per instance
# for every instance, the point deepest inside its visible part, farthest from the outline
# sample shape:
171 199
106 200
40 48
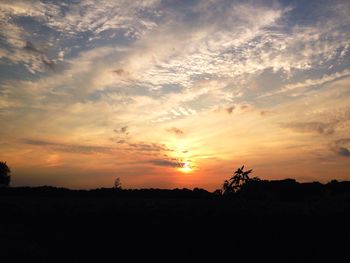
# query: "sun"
186 167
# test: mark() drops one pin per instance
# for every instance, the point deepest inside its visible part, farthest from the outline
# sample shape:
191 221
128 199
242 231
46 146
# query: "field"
57 225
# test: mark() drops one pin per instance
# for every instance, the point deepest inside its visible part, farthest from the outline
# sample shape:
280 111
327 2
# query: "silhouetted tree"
236 182
217 192
117 184
5 176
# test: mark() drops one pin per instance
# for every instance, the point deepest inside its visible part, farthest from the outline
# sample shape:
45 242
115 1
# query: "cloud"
129 145
30 46
49 63
18 50
178 53
230 109
121 72
70 21
70 148
85 16
265 112
318 127
311 82
343 151
329 120
203 53
341 147
225 109
245 107
122 130
168 163
175 131
146 147
235 109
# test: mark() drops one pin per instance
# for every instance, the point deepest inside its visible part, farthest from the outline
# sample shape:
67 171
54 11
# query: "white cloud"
310 83
83 16
68 20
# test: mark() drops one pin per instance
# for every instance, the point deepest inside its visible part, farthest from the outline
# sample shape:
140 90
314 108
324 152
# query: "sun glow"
186 168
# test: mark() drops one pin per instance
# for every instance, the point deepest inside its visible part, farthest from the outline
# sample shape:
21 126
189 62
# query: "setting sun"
186 168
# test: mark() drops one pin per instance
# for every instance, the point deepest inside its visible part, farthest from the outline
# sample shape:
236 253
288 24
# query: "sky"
173 94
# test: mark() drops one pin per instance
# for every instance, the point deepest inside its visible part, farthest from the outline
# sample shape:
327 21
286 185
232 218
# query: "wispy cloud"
318 127
146 147
310 82
342 147
167 162
122 130
175 131
71 148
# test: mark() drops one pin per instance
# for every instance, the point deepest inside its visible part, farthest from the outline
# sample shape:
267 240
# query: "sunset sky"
173 93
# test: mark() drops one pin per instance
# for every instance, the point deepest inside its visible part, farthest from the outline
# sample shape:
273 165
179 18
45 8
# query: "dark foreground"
57 225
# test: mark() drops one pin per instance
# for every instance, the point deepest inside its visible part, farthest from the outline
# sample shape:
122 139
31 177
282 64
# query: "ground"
59 226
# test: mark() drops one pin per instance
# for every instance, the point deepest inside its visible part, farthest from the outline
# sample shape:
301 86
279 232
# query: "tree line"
239 185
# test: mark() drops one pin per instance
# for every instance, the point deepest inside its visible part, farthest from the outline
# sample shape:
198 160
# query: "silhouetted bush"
117 184
5 176
217 192
236 182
